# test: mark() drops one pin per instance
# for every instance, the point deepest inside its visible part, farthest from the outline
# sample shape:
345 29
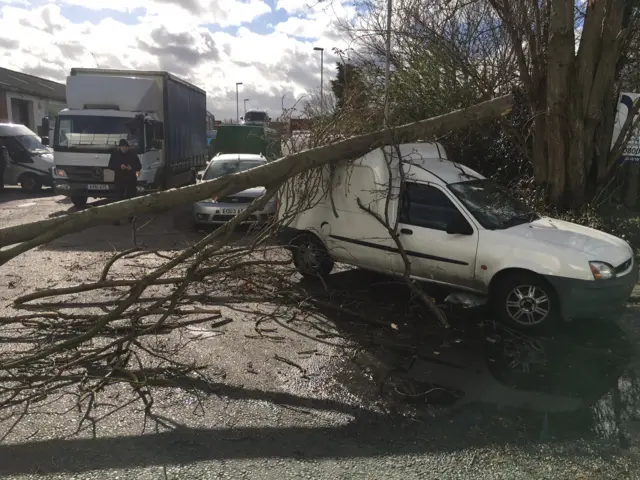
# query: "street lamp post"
321 50
245 106
237 103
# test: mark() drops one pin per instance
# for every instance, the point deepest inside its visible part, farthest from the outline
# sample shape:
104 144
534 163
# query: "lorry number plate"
99 186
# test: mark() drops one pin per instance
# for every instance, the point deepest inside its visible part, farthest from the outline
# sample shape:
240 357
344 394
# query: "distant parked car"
216 211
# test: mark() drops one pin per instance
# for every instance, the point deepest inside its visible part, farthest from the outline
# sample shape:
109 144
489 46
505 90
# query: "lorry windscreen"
255 117
78 132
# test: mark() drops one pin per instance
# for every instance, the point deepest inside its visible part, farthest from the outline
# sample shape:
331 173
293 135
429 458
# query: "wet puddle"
578 381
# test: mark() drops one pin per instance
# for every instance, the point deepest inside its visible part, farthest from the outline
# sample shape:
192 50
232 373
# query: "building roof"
31 85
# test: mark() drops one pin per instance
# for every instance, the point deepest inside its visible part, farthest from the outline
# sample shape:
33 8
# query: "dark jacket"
129 159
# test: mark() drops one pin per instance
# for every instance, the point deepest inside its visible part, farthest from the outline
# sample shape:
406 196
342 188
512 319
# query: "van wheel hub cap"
528 305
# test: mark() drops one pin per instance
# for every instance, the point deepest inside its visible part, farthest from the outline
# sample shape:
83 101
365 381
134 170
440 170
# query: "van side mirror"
241 118
198 176
4 154
458 225
44 140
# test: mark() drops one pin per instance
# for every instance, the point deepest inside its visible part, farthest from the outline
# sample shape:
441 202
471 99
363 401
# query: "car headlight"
602 271
59 172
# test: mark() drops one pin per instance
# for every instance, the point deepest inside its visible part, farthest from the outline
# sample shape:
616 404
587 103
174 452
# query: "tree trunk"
270 174
559 69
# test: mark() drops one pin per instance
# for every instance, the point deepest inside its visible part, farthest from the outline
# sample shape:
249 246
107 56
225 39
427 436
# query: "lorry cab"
255 117
411 207
30 162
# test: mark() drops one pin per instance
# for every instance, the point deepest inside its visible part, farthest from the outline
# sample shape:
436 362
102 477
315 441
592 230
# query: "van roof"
424 162
14 130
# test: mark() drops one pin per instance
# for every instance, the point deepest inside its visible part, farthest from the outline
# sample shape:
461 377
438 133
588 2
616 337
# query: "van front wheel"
311 257
30 183
526 301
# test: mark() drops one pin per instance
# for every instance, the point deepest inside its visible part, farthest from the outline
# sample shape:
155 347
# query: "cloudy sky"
266 44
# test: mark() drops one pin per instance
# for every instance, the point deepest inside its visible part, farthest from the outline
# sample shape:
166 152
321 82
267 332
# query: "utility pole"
387 66
237 103
321 50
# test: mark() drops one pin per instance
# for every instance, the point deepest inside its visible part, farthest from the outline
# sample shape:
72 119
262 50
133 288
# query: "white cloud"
42 41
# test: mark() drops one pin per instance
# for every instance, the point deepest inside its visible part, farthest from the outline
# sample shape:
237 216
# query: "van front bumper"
594 299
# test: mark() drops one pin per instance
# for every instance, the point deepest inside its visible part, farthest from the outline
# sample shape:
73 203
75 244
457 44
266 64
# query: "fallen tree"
118 338
38 233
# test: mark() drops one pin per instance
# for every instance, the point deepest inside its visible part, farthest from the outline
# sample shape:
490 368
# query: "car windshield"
32 144
227 167
492 205
255 117
82 131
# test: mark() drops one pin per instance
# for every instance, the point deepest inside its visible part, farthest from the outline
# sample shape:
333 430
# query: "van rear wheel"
526 301
311 257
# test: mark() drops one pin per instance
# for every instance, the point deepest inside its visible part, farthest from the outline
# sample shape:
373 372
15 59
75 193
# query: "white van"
30 162
457 229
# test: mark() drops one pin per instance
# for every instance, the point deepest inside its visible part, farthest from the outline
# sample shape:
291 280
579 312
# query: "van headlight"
602 270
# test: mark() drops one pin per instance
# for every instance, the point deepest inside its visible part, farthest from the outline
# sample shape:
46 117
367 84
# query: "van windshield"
492 205
227 167
32 144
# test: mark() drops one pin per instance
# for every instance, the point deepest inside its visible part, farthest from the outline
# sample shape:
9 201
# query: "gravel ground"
475 403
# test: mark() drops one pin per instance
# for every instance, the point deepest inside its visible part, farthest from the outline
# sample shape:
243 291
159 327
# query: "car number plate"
232 211
98 186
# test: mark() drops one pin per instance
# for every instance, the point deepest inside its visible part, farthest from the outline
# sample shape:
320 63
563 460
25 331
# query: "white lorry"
457 229
162 117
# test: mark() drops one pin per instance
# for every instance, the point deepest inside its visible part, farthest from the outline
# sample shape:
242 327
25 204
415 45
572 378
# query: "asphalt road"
394 398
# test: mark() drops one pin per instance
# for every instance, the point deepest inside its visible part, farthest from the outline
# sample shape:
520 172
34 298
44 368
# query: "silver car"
216 211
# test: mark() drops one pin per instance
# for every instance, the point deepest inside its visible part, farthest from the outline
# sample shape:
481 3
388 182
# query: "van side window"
426 206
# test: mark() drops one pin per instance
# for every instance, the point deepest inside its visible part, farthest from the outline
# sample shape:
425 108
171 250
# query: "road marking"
30 204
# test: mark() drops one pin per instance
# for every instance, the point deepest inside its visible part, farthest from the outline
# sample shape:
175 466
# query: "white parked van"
30 162
460 230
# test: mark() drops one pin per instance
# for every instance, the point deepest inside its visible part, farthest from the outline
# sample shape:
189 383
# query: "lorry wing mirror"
158 131
458 225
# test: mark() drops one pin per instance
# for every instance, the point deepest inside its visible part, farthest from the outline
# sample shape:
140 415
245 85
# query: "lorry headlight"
602 270
59 172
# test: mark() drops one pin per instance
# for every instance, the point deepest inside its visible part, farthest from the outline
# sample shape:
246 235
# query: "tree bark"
269 174
559 68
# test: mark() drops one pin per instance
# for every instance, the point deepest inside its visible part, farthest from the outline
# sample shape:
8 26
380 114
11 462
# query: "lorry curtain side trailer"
161 116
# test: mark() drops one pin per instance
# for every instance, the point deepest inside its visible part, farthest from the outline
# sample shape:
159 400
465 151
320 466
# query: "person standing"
126 165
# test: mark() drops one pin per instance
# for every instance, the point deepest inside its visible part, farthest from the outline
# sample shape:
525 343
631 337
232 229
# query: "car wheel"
311 257
79 201
30 183
526 301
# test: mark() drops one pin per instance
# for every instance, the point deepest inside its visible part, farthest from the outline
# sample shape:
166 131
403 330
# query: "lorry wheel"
525 301
30 183
311 257
79 201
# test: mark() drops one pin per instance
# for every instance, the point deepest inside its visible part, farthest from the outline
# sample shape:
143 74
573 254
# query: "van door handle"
406 231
